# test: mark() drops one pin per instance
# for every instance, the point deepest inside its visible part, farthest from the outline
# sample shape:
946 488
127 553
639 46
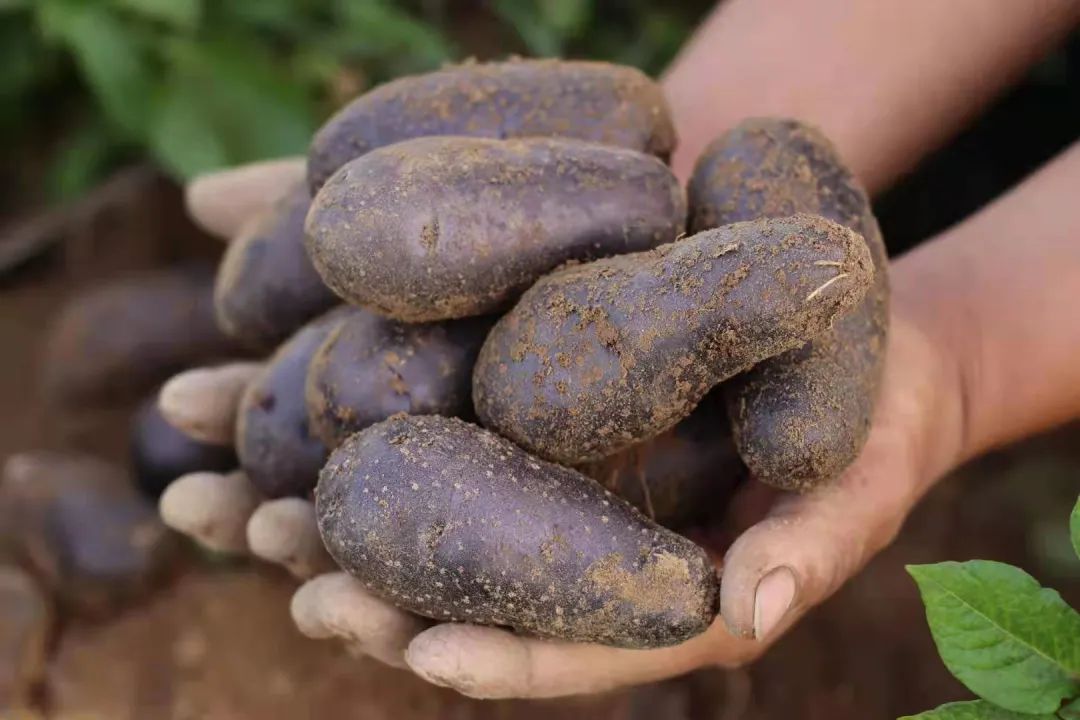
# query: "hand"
955 385
802 551
224 512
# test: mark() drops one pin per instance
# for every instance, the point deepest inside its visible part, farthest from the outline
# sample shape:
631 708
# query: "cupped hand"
801 551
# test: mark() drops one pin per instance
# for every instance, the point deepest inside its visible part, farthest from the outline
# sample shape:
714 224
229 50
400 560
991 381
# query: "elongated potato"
77 522
266 287
609 104
371 367
597 357
117 342
274 442
160 453
801 418
453 522
682 478
439 228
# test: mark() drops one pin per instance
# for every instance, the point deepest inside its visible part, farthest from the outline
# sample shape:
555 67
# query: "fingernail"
775 593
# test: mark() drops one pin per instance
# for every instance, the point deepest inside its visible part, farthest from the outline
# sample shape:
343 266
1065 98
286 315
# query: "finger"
811 544
222 202
202 403
337 605
211 508
808 546
485 662
284 532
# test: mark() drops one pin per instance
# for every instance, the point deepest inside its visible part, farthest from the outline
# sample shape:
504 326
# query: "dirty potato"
266 287
439 228
452 522
118 341
800 418
596 101
274 442
371 367
597 357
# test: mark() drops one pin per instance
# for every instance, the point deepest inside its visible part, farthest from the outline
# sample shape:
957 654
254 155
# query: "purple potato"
449 227
450 521
597 357
802 417
595 101
266 287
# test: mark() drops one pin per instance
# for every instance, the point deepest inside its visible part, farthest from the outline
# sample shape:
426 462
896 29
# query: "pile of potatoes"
514 356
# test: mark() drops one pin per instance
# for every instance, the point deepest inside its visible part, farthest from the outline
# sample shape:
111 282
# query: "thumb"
809 545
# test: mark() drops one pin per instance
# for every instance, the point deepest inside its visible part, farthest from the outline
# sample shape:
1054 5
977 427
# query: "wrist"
934 349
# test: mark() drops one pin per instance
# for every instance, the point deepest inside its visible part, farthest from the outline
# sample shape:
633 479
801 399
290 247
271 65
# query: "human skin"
963 303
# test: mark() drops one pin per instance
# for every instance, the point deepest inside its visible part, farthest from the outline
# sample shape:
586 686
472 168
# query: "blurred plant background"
88 85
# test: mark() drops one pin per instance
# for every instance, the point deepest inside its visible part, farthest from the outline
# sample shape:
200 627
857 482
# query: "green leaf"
82 160
566 17
20 59
277 15
1074 527
974 710
379 29
1007 639
179 13
184 139
114 63
1071 711
539 37
227 103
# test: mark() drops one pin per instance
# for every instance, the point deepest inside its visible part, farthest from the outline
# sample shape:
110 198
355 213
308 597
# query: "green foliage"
197 85
1074 527
974 710
1012 642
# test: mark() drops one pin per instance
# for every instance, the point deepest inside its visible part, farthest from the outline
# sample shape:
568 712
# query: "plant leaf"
228 103
539 37
179 13
114 63
1071 711
184 140
1074 527
82 159
1007 639
379 29
974 710
567 17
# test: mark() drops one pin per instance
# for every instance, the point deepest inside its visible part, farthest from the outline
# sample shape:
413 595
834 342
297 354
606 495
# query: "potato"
609 104
276 447
371 367
78 524
266 287
597 357
439 228
682 478
801 418
119 341
160 453
452 522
